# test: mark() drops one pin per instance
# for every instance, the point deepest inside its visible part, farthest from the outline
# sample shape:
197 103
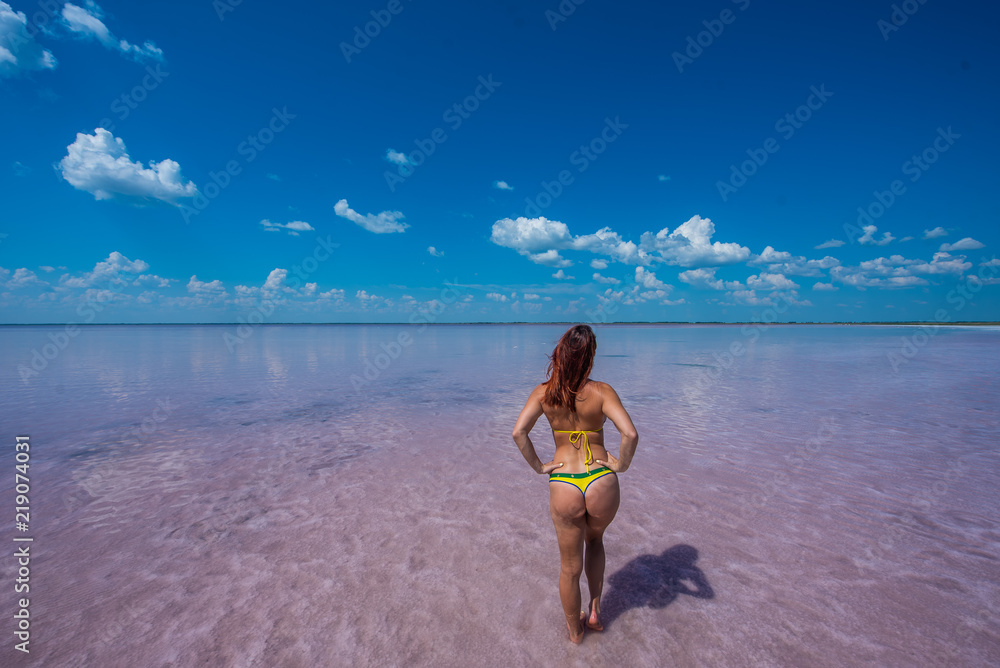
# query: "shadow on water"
654 580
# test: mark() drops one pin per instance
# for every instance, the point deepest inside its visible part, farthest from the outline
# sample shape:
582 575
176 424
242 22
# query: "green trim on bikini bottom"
580 475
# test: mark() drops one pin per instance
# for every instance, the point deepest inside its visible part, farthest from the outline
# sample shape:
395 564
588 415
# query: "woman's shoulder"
604 390
600 385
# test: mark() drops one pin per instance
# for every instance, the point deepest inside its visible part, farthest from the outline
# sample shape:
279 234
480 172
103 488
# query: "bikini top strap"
575 436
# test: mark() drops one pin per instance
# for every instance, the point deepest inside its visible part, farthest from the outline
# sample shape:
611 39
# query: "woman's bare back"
596 401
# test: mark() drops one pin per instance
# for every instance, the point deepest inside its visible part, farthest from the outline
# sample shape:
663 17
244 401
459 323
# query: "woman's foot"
575 636
594 622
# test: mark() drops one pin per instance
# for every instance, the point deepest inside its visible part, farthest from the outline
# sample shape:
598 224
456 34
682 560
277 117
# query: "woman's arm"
630 437
525 421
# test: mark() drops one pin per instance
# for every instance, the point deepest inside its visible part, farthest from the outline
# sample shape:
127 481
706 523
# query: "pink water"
805 505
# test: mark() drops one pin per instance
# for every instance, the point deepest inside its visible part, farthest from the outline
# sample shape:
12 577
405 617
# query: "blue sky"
512 161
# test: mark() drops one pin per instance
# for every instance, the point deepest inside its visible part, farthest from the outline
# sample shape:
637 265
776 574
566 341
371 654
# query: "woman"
583 481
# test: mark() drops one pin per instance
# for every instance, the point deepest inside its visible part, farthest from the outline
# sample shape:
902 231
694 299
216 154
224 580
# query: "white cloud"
335 294
540 239
496 296
87 23
159 281
386 222
690 245
701 278
562 276
293 228
896 271
656 294
799 266
832 243
612 297
770 256
435 252
862 281
605 279
607 242
502 185
942 263
935 233
95 296
886 264
531 235
995 262
396 157
275 289
825 286
18 51
648 279
771 282
276 281
868 238
528 296
647 287
197 287
100 164
369 301
535 238
598 264
750 298
968 243
22 278
781 262
106 271
245 293
790 297
549 258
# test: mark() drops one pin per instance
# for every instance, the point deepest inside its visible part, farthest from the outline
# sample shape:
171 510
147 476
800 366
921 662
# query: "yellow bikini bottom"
580 480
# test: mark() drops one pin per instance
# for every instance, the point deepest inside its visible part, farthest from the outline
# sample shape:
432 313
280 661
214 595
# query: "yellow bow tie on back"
574 436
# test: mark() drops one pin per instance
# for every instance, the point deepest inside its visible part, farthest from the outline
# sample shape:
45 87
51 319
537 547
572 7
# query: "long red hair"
568 366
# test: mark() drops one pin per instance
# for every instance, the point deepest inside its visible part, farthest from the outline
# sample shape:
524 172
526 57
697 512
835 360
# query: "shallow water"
800 502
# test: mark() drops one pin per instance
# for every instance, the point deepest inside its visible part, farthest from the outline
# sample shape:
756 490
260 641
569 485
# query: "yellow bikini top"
574 436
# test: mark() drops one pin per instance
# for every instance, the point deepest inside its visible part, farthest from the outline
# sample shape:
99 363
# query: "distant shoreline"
969 323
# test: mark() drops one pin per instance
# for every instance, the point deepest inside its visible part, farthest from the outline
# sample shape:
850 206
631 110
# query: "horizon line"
513 322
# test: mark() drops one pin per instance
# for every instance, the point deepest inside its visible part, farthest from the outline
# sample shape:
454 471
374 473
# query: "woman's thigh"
601 502
568 510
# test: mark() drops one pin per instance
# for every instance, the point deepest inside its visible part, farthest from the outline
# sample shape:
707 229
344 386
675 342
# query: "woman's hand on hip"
611 462
550 467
